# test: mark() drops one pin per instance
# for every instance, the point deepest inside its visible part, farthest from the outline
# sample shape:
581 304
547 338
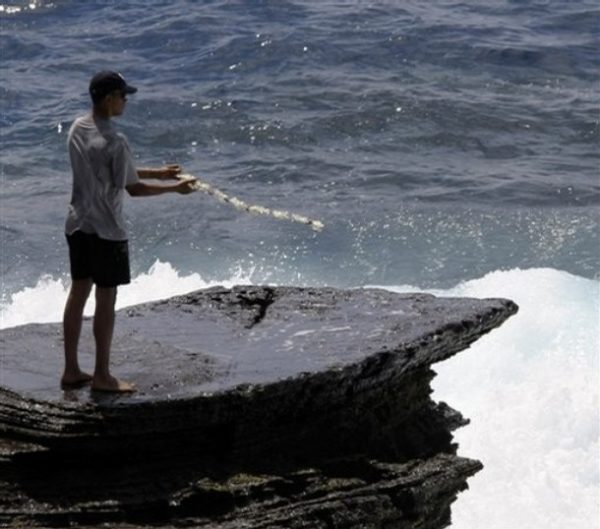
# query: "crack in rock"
258 304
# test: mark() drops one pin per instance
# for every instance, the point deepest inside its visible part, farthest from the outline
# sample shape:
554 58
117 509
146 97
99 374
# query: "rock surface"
270 407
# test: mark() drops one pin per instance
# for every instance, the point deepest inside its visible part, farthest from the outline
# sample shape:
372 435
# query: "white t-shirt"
102 166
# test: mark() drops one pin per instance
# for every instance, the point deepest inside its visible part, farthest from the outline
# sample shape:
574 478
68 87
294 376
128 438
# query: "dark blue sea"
449 147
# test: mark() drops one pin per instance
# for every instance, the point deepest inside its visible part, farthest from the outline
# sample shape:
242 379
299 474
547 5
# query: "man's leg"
104 323
72 318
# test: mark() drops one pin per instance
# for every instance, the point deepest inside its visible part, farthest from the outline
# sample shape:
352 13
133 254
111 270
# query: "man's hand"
170 171
186 186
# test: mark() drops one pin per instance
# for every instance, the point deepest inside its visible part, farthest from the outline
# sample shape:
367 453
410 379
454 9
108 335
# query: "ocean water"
447 147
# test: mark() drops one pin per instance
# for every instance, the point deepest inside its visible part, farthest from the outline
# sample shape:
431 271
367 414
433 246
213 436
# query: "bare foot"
112 385
75 380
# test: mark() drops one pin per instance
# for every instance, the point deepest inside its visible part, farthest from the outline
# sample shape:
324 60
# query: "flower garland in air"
240 205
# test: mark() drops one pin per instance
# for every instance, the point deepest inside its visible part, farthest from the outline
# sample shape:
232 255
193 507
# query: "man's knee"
106 296
80 290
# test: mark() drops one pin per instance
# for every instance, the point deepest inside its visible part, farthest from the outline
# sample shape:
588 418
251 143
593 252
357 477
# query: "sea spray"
531 392
45 301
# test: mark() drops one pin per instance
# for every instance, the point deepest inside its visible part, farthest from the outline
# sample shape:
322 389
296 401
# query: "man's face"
116 102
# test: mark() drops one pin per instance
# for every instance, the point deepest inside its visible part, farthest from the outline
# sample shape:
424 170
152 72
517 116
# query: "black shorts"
105 262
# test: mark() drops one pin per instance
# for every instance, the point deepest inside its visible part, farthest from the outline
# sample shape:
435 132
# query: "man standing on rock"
103 169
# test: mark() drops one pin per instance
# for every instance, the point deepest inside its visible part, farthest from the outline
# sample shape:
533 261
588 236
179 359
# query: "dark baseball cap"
105 82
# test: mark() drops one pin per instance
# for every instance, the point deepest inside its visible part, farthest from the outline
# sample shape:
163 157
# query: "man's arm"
143 189
168 172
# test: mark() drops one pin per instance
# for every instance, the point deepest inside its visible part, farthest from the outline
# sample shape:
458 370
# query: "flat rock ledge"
257 407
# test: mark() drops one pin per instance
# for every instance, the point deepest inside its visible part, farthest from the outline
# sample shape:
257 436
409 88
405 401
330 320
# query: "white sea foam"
45 301
530 389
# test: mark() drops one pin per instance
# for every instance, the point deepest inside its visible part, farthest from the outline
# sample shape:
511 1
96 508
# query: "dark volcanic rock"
257 407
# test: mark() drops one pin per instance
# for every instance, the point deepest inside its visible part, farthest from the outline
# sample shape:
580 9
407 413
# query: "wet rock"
257 407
